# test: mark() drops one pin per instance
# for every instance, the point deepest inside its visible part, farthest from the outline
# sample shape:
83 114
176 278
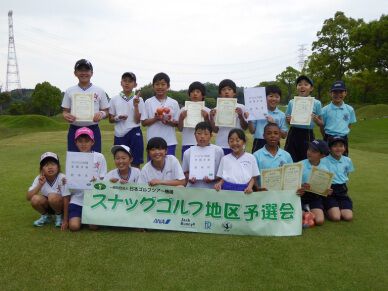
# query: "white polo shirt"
158 129
77 196
121 106
99 97
114 174
172 170
188 137
238 170
218 154
222 134
56 186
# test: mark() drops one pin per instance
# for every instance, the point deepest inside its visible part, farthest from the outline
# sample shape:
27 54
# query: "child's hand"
316 119
42 180
93 179
300 192
64 181
270 119
183 114
205 115
193 180
122 117
123 181
68 117
154 182
206 179
114 180
328 192
288 118
98 116
239 112
217 186
246 115
65 225
213 113
248 190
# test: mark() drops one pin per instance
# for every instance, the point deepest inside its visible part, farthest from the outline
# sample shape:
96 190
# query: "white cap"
125 148
49 155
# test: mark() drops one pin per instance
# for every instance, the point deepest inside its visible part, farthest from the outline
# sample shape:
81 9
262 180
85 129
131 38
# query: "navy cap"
338 86
83 63
320 145
336 139
303 77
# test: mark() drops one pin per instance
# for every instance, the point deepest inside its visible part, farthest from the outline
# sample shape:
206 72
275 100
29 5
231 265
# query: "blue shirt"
278 116
317 110
265 160
340 168
307 166
337 119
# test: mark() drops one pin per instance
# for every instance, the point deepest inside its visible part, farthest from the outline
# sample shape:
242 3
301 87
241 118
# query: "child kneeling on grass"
45 193
72 206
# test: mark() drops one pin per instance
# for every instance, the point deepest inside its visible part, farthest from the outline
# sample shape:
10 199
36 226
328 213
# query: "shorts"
314 201
227 151
134 140
233 186
339 198
297 142
71 147
75 211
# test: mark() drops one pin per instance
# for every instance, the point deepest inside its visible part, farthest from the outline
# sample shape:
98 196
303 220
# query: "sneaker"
58 220
44 219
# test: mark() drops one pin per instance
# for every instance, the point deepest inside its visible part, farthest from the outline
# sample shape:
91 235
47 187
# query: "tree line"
346 49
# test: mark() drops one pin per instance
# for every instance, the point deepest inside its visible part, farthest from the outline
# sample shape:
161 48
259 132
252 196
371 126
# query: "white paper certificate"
194 113
79 170
255 101
271 179
292 176
202 161
320 181
226 112
82 107
302 110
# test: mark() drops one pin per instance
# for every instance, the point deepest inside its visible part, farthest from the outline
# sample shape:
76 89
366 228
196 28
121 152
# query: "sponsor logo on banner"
186 222
227 225
162 221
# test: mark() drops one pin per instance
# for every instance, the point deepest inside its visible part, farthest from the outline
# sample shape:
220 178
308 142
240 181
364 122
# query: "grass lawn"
335 256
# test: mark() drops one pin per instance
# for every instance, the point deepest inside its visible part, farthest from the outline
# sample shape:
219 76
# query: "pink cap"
84 130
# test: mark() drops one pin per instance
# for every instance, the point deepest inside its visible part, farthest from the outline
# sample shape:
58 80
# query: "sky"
248 41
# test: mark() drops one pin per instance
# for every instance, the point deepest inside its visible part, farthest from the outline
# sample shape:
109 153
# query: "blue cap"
338 86
303 77
336 139
320 146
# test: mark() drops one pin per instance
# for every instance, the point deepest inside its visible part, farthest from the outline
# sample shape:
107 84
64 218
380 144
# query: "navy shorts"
313 200
258 143
71 147
75 210
339 198
134 140
233 186
185 148
227 151
297 142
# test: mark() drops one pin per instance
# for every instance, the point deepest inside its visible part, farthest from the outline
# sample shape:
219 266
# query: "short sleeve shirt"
307 167
317 110
340 168
115 174
266 160
337 119
57 186
278 116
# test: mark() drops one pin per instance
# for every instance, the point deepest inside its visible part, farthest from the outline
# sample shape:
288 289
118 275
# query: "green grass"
335 256
372 111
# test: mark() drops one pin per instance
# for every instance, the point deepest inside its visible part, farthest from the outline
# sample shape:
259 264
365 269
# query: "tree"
286 79
5 99
46 99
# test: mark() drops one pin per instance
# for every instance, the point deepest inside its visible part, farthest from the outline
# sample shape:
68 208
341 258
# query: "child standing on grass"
197 92
83 70
123 173
73 202
162 113
238 170
228 89
299 136
256 127
45 193
125 111
338 205
317 150
337 117
203 134
162 169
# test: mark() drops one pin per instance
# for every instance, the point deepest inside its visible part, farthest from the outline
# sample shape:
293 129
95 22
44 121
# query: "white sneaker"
44 219
58 220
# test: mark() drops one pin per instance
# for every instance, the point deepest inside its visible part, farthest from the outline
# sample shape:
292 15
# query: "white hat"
125 148
48 155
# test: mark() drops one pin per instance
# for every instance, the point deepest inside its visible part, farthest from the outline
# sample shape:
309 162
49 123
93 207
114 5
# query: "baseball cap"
125 148
320 145
47 155
84 131
83 63
336 139
303 77
129 75
338 86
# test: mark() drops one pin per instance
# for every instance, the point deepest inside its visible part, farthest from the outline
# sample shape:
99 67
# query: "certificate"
194 113
302 110
271 179
320 181
82 107
255 101
202 162
292 176
226 112
79 170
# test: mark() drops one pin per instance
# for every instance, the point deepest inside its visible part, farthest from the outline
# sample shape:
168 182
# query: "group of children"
235 169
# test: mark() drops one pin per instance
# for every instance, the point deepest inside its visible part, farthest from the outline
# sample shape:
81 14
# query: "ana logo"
227 225
99 186
162 221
